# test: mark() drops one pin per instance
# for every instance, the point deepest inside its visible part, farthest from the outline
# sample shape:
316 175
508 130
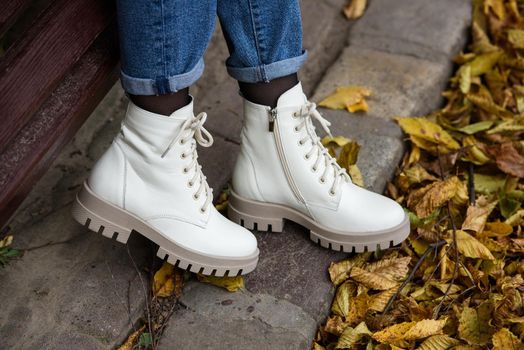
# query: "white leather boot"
284 172
149 181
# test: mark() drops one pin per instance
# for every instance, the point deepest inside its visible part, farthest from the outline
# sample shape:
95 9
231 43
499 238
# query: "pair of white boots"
149 180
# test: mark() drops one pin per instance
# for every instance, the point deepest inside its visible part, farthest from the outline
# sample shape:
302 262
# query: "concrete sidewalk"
79 290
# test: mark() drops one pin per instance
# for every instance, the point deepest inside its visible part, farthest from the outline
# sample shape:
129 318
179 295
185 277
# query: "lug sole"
116 223
261 216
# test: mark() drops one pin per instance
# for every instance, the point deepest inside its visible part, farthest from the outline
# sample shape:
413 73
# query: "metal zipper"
280 150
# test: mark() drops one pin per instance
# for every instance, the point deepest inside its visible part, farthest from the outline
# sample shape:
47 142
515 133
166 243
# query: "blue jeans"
162 41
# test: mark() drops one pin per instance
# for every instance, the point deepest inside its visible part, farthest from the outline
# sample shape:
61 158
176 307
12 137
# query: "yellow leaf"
6 241
505 340
232 284
335 141
439 342
428 135
132 339
317 346
356 175
361 106
469 246
339 271
417 174
484 63
497 229
473 152
164 281
393 333
516 37
341 302
425 328
347 97
355 9
351 336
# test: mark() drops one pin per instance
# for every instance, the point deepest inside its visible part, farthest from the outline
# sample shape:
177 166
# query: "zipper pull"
272 116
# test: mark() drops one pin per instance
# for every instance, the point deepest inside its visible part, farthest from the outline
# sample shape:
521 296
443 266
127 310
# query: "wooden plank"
35 147
11 10
33 67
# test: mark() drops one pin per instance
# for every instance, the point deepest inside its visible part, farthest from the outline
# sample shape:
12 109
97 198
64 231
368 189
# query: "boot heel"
254 222
98 224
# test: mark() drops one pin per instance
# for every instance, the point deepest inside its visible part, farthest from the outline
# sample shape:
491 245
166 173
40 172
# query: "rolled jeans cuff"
161 85
268 72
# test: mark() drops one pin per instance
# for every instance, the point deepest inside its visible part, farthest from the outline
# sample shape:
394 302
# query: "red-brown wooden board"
35 65
37 144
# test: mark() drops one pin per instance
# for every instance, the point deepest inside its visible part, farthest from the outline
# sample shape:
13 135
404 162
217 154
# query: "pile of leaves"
457 282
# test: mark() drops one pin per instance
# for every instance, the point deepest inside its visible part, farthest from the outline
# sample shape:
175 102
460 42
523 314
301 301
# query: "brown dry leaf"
351 336
428 135
394 269
232 284
164 281
477 215
358 307
347 97
469 246
379 301
317 346
355 9
372 280
424 201
339 271
505 340
335 325
474 324
508 159
439 342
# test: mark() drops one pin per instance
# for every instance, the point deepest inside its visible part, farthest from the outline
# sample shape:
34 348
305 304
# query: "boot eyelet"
295 115
331 193
306 156
182 142
203 210
185 170
322 180
300 143
296 129
196 196
183 155
313 169
190 184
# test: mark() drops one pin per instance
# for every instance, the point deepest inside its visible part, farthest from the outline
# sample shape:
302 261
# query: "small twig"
456 268
143 289
471 185
432 246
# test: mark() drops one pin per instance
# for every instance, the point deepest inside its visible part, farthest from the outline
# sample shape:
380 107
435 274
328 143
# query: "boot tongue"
156 129
293 97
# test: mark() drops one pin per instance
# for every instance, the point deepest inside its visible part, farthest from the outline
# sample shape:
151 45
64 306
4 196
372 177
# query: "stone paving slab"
429 29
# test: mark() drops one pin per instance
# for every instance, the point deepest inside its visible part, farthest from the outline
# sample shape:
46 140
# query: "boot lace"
306 114
193 131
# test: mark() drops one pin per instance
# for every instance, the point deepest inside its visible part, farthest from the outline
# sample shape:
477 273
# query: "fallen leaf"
351 336
428 135
347 97
339 271
439 342
505 340
474 324
164 281
477 214
469 246
355 9
232 284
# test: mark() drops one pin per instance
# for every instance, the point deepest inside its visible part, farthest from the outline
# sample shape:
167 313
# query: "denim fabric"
162 41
